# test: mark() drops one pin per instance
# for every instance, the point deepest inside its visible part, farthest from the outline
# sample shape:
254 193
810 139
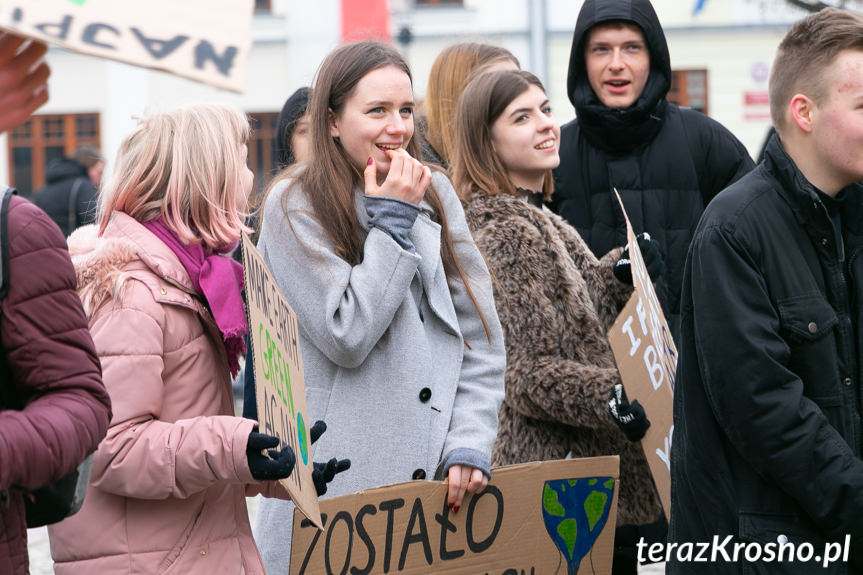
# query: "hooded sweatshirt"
666 162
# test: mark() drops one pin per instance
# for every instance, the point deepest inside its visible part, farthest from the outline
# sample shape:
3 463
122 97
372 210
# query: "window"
263 6
689 88
261 159
41 139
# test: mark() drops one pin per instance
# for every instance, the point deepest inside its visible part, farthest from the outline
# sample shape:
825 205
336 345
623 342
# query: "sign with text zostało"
203 40
647 360
279 391
531 519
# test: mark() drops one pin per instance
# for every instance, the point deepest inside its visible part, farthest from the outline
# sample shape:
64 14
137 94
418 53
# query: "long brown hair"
329 178
476 167
450 73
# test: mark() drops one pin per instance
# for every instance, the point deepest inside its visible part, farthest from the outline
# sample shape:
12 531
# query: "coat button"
824 241
813 327
782 539
425 394
163 291
419 474
847 381
203 552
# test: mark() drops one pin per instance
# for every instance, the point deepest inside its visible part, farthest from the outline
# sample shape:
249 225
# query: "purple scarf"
220 280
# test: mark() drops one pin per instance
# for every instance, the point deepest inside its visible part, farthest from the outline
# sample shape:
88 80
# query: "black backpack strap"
698 160
5 195
73 205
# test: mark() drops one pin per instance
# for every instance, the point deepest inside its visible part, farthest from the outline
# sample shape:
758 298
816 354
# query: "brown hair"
476 167
329 178
450 73
806 54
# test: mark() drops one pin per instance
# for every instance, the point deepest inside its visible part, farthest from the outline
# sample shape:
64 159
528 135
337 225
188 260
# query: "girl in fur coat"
555 300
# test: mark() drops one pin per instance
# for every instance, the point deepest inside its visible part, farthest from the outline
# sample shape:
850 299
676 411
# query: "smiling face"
617 62
525 138
377 116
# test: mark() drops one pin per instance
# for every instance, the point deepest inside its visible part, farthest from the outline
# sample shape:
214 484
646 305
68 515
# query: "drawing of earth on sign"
575 512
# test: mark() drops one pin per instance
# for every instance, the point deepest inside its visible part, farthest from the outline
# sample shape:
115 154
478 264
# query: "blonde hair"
185 166
450 73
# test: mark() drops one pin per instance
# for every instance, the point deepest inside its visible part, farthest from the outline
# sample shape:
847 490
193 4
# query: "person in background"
555 300
168 484
69 196
767 416
92 160
450 73
401 346
48 362
666 162
292 134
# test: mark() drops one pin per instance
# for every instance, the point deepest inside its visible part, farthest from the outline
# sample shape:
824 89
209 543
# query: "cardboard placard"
647 360
278 365
535 518
204 40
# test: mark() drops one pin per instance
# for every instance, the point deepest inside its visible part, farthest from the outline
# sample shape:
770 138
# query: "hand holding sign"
23 79
652 259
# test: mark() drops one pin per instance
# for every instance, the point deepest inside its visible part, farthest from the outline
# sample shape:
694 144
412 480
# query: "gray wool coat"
556 302
396 360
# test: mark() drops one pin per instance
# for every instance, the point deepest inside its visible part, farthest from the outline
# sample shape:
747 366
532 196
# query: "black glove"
652 259
323 473
629 417
278 465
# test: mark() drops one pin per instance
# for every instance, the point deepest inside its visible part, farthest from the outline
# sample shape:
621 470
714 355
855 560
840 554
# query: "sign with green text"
204 40
531 519
278 365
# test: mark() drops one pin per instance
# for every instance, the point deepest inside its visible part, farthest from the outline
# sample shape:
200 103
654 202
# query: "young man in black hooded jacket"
666 162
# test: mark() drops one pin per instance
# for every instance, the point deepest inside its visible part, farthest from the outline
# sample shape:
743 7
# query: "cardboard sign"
535 518
204 40
647 359
278 365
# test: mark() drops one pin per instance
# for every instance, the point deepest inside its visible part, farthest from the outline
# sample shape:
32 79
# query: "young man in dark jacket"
766 458
69 195
666 162
47 354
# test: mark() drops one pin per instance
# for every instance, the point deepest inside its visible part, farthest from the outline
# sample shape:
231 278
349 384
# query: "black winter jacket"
767 437
55 198
666 162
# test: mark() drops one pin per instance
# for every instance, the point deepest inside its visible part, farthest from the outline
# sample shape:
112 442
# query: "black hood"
619 128
64 169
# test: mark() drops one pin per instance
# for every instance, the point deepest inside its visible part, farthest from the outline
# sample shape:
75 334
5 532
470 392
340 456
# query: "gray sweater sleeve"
393 216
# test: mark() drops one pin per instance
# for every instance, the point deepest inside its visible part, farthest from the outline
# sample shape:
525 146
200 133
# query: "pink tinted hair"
185 165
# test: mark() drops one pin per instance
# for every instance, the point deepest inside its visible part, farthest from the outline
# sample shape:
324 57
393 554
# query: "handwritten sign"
204 40
647 359
535 518
278 366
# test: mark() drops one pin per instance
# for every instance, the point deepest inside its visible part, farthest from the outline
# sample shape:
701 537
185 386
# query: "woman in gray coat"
401 345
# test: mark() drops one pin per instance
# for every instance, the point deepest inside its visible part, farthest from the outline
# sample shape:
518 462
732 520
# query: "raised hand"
407 180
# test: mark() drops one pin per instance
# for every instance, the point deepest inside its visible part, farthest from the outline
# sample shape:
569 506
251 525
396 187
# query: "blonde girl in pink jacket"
169 482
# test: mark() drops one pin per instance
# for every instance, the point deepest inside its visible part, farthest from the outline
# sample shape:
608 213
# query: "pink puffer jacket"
169 482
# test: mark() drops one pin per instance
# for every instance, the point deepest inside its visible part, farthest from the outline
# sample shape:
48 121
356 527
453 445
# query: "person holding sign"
555 300
401 347
767 415
168 484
